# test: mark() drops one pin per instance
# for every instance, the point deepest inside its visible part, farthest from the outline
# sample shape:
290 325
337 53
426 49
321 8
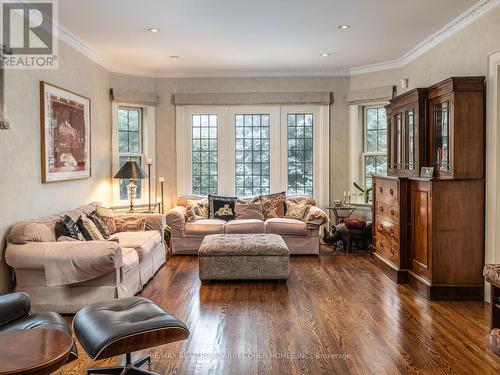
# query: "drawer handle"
381 189
381 226
392 232
381 209
391 191
381 246
392 253
392 212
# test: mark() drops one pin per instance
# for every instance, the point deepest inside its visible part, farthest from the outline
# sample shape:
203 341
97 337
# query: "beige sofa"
66 276
301 237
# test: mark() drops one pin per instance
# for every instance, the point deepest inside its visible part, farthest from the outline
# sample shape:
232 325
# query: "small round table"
33 351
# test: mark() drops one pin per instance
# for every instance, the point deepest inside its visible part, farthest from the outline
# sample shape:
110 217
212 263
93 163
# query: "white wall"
22 195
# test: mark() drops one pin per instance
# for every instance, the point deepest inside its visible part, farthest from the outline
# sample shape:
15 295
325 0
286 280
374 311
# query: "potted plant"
365 193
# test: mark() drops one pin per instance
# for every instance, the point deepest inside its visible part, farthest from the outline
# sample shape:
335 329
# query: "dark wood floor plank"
337 314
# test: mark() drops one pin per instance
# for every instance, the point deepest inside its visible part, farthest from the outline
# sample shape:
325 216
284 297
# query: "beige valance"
375 94
252 98
134 96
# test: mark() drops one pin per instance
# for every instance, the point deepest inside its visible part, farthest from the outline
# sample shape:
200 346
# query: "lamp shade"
131 170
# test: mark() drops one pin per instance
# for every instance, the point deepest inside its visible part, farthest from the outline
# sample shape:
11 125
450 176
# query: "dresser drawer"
388 229
387 191
387 248
387 211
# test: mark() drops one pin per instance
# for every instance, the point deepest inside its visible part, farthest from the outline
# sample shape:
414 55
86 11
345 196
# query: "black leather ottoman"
123 326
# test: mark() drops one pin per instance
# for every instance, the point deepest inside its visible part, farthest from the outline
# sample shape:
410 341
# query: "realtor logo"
29 34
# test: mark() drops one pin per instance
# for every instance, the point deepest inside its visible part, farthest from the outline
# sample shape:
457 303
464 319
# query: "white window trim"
147 132
226 152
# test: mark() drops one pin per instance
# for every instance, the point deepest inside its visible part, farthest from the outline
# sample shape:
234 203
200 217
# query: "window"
248 150
300 153
375 143
252 154
204 154
129 143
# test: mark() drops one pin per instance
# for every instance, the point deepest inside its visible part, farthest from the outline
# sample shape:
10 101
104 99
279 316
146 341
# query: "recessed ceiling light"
344 27
174 57
153 29
325 54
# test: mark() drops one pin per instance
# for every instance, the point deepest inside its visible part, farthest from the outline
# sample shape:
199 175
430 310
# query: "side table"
33 351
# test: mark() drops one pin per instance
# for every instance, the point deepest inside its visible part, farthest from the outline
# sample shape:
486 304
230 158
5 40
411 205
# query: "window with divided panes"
252 154
375 143
130 144
204 154
300 153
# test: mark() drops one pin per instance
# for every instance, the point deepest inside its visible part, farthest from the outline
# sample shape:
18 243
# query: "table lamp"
131 171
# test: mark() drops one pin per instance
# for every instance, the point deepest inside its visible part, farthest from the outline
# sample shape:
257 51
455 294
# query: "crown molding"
462 21
465 19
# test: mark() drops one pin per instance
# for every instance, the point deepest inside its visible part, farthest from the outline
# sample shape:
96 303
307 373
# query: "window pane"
300 154
204 154
124 183
129 132
252 154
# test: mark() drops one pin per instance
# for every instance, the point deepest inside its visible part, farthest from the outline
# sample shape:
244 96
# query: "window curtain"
254 98
376 94
134 96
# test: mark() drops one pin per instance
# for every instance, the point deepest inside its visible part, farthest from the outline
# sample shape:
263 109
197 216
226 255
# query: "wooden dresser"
430 232
389 226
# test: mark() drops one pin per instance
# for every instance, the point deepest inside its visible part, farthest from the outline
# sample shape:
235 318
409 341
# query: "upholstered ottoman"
243 257
122 326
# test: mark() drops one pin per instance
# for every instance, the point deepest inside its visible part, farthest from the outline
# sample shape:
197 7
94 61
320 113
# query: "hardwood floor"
337 314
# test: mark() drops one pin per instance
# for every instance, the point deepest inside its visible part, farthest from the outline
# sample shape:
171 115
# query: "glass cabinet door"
398 142
441 113
410 140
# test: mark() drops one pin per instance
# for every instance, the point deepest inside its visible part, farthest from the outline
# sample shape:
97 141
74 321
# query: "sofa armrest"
153 221
316 217
66 262
14 306
176 218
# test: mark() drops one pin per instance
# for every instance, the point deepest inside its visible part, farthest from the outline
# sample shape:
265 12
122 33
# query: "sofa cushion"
286 227
203 227
142 242
248 210
27 231
245 226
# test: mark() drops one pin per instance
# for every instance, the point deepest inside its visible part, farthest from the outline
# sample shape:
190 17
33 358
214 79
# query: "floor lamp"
149 162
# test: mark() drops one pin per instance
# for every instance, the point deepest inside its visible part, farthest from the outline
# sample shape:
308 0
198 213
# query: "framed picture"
427 172
65 134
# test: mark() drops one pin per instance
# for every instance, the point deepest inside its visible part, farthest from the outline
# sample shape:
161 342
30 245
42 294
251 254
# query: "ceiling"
241 37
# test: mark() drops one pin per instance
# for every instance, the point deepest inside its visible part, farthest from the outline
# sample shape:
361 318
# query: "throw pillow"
297 211
83 230
246 210
67 227
103 229
273 205
196 210
108 218
91 229
134 225
221 207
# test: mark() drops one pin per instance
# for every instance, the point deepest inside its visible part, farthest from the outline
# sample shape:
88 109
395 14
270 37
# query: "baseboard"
446 292
397 275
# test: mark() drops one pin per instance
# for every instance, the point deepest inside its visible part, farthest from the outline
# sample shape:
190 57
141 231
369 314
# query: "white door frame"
492 227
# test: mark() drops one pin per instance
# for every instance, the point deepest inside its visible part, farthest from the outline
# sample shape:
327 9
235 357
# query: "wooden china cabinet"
435 239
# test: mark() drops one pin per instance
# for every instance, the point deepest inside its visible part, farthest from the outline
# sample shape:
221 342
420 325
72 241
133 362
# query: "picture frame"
65 123
427 172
